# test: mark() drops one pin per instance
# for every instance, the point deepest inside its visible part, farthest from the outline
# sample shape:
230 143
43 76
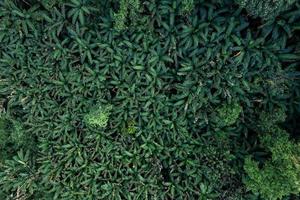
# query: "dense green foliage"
227 115
11 136
128 9
98 117
267 9
147 99
280 175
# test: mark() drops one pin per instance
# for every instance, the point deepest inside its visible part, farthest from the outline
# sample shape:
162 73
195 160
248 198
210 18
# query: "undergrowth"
149 99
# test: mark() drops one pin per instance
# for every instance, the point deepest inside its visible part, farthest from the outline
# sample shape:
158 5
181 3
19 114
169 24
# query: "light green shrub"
98 117
266 9
279 176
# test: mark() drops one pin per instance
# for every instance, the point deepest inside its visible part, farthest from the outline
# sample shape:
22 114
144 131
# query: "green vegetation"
11 136
128 11
149 99
98 117
280 174
267 9
227 115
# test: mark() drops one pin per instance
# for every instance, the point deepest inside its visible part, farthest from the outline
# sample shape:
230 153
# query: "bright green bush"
228 114
187 6
127 12
268 121
98 117
267 9
280 176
